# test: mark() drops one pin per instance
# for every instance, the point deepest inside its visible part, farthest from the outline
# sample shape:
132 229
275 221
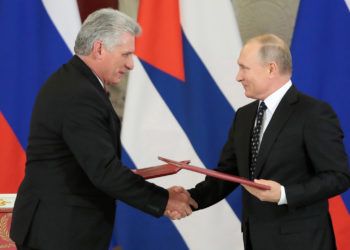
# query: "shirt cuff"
283 199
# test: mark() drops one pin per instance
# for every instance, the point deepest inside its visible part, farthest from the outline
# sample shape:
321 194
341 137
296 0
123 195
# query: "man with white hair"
73 171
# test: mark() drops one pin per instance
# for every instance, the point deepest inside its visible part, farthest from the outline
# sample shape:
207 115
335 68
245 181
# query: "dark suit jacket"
73 170
302 149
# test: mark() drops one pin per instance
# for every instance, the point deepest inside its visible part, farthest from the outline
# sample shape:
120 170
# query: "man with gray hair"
288 141
73 171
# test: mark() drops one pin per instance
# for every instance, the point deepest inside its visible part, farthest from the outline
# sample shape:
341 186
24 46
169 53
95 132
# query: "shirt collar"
274 99
103 86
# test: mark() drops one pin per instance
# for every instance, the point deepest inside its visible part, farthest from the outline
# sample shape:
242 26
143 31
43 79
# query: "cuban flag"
181 101
36 39
321 53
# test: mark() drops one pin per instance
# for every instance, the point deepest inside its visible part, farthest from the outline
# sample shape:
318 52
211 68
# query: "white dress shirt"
272 102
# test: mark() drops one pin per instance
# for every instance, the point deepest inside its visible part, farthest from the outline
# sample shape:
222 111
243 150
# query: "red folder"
157 171
172 167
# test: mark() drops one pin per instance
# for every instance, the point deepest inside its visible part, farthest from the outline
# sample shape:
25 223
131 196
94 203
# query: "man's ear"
272 68
97 49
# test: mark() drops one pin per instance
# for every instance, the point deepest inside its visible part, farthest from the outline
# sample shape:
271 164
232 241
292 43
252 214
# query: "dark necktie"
254 143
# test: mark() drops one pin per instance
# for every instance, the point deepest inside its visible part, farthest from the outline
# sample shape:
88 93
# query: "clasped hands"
180 203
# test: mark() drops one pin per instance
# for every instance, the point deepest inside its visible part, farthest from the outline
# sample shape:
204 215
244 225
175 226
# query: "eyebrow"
243 66
127 52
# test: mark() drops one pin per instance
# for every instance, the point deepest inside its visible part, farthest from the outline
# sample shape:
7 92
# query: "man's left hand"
272 195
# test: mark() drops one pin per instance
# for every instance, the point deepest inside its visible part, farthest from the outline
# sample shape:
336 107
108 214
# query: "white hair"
106 25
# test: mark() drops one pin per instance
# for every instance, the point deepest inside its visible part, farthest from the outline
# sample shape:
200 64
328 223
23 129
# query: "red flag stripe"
12 159
341 221
161 41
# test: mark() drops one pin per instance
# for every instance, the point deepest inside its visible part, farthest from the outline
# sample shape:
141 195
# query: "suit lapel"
278 121
114 121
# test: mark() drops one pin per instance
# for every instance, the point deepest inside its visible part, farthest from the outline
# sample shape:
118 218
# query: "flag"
181 100
321 52
40 37
36 40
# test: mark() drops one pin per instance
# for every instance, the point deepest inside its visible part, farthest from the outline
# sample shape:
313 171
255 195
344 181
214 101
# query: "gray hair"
274 49
106 25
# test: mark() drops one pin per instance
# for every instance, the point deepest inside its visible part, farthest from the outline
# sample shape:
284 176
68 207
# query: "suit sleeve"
213 190
327 158
87 132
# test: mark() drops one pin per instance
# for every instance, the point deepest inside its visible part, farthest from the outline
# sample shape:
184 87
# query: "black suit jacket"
73 170
302 149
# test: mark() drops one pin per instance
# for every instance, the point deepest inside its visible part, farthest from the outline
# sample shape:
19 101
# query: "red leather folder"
158 171
172 167
216 174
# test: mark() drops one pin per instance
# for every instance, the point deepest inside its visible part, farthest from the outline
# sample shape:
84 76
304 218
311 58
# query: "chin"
247 94
115 82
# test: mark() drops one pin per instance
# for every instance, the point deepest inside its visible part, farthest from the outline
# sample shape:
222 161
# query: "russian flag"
181 100
321 53
36 40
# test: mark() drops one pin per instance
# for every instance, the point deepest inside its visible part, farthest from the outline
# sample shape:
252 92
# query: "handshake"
180 203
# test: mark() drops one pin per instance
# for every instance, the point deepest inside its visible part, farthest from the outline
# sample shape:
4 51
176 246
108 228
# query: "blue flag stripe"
33 49
321 53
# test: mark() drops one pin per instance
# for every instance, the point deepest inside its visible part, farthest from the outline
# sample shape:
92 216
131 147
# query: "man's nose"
239 76
130 63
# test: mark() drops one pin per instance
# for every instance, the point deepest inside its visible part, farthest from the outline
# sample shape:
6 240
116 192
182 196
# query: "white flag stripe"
213 32
348 3
67 24
160 133
195 229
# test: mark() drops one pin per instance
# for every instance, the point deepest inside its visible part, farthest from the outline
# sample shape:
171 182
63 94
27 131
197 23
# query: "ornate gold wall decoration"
5 222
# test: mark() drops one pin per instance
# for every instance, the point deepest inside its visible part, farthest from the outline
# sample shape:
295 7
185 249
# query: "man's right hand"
179 203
